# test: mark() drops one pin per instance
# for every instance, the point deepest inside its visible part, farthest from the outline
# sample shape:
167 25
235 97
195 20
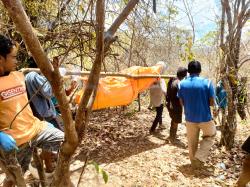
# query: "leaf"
97 168
100 170
105 176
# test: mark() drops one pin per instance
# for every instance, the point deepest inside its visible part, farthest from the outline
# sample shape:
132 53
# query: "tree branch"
109 35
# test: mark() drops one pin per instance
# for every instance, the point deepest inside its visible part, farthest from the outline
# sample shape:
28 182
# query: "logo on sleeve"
12 92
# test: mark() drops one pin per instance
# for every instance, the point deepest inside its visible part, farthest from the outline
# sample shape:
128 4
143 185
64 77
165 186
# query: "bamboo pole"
104 74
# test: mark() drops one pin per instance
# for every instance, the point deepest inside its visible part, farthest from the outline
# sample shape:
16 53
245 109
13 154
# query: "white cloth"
158 92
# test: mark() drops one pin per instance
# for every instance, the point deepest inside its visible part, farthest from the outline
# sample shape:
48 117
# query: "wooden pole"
105 74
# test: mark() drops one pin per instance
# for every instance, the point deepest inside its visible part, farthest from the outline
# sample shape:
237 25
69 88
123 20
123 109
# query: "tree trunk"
19 17
229 124
72 137
242 98
11 167
235 16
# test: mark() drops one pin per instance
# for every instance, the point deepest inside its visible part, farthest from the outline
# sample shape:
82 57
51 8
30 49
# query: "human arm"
180 94
163 86
211 94
181 102
7 143
168 95
212 99
73 85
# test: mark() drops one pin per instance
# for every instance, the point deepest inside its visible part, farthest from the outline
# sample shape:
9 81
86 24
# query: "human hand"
215 112
7 143
73 84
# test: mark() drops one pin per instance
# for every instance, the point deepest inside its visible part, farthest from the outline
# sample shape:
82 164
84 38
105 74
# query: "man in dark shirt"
173 103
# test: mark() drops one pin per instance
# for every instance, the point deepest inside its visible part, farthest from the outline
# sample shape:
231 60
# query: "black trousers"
158 117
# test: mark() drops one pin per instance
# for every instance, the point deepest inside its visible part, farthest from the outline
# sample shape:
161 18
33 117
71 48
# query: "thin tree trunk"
19 17
72 138
229 125
242 98
40 168
11 167
230 63
131 44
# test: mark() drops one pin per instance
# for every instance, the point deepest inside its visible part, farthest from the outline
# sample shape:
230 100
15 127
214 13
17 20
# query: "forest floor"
119 141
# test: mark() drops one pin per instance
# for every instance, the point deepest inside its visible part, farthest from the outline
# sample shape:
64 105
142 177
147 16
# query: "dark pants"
56 123
173 129
158 117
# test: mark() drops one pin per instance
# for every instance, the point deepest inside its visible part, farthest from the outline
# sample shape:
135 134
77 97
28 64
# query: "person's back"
195 92
40 93
157 92
173 103
171 98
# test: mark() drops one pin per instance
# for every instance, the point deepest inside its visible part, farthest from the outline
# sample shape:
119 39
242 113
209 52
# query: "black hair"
5 45
31 63
181 72
194 67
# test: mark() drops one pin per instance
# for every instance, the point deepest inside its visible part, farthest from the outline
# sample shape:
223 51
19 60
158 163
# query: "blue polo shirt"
195 92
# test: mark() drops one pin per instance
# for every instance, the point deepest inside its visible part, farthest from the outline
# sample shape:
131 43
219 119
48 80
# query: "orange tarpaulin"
117 91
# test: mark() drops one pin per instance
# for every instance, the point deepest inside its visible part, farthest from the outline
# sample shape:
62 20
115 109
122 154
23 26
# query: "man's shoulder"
18 73
13 74
32 73
31 76
184 81
207 82
203 80
175 83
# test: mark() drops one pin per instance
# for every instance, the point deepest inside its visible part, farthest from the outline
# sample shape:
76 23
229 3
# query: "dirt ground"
119 141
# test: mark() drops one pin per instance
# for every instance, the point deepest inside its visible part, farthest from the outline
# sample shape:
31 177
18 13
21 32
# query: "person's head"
164 66
194 67
31 63
8 53
181 73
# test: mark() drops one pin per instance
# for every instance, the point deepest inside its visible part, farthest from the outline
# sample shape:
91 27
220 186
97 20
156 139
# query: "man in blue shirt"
40 93
197 95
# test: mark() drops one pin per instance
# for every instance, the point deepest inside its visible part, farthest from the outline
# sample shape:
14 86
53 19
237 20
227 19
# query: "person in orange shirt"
20 131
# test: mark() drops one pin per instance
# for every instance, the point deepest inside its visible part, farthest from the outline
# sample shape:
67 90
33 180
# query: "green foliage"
130 113
99 170
172 12
209 39
188 54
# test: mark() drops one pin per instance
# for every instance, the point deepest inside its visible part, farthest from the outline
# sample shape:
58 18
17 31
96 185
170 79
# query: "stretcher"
119 91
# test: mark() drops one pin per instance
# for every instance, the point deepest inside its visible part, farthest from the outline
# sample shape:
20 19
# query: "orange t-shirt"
13 98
